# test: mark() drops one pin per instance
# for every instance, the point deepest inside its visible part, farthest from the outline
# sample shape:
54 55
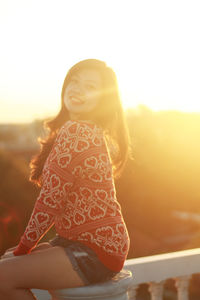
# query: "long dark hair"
108 114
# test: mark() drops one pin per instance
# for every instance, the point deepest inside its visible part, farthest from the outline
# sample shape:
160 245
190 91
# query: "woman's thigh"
45 269
41 246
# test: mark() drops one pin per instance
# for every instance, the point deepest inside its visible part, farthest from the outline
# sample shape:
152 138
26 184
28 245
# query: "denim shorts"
84 261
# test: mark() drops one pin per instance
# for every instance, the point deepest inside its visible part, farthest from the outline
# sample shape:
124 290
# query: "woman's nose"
78 93
79 90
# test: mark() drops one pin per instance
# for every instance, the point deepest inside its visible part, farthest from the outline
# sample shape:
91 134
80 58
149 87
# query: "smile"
76 99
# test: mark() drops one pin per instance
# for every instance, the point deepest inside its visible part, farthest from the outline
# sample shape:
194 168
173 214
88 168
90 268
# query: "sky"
152 45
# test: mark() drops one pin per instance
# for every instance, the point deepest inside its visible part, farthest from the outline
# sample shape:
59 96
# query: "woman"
86 149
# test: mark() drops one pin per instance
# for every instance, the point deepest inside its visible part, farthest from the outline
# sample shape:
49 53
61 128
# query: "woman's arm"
40 222
57 181
75 143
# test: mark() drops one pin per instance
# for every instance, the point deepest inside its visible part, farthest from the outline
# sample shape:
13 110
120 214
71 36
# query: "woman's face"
83 92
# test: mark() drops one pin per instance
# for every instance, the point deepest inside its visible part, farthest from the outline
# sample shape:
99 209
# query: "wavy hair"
108 114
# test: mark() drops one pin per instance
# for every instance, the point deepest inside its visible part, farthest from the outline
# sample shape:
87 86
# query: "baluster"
182 285
132 291
156 290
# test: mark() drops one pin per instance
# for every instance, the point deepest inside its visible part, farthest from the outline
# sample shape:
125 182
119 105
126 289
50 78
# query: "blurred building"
21 137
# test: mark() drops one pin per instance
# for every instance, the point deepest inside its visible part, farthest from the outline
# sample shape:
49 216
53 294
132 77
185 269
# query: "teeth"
76 100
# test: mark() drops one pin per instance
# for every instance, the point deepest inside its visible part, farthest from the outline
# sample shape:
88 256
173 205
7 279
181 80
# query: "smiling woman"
86 149
83 93
101 105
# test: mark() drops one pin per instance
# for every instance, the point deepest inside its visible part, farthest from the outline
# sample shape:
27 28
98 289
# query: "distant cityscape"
20 137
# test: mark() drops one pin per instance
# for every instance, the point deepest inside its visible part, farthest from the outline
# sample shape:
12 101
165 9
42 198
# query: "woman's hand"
7 254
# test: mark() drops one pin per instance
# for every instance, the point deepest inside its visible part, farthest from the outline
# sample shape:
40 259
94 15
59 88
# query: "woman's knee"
5 282
9 272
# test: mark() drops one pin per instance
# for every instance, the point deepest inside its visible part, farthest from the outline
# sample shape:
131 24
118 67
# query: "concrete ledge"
163 266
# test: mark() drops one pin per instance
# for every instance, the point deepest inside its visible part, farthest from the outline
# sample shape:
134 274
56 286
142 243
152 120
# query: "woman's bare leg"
47 269
21 294
41 246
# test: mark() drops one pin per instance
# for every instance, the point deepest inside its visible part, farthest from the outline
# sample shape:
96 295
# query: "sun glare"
157 62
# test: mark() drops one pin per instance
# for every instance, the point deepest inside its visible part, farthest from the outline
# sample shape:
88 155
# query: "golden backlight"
153 46
156 61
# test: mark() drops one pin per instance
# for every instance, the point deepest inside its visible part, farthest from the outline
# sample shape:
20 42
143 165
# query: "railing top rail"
163 266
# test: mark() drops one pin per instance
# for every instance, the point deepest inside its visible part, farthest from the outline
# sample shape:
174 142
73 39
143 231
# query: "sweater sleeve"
57 181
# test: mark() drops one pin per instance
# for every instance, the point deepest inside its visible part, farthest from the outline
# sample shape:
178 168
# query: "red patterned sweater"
78 196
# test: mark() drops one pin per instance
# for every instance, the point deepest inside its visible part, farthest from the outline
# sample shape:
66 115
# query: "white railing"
155 270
